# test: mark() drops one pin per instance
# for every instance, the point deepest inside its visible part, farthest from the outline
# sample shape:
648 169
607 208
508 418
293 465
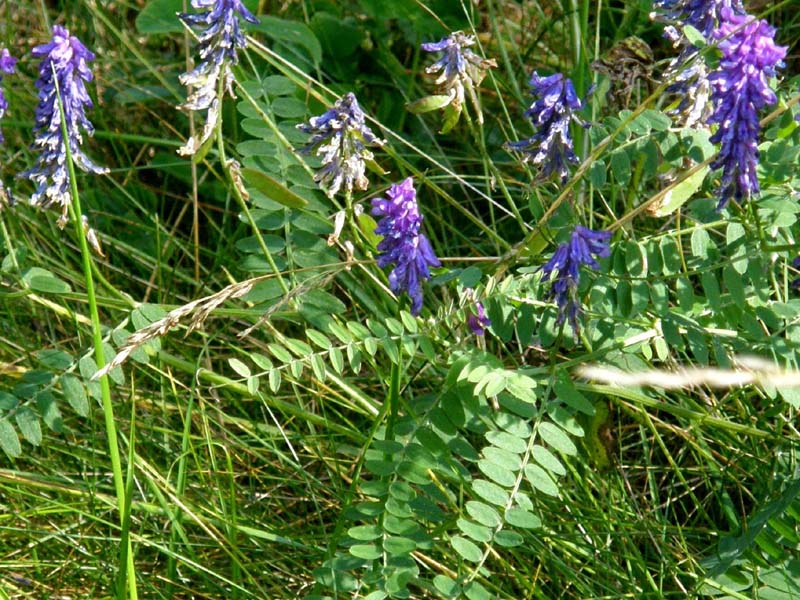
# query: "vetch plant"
740 89
209 80
64 70
563 270
551 147
340 136
403 244
451 456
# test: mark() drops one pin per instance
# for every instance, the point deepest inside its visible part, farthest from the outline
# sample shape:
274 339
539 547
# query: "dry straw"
198 311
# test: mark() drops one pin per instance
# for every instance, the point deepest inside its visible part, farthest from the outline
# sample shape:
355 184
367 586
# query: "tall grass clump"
399 300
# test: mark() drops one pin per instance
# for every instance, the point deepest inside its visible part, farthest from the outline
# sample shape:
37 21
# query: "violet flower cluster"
341 136
219 41
703 15
461 70
563 270
740 89
7 64
551 147
688 71
64 71
403 245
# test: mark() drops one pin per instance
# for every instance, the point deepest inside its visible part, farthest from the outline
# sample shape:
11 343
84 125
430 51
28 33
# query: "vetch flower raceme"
219 42
551 147
563 270
461 69
64 71
341 136
703 15
688 71
403 245
7 64
740 89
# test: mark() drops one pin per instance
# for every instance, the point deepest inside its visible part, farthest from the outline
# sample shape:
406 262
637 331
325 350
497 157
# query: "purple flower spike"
403 245
740 89
7 64
564 270
478 321
64 70
341 136
551 146
219 42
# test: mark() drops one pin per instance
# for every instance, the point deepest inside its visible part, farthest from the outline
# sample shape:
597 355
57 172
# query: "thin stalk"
97 335
180 488
246 210
392 400
195 199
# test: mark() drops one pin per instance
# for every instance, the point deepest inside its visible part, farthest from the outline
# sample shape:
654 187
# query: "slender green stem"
237 193
393 399
97 336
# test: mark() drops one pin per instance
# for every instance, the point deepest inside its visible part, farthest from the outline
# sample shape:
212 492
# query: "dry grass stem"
749 371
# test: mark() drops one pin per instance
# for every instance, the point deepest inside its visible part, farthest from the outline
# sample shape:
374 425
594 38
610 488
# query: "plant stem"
246 210
127 571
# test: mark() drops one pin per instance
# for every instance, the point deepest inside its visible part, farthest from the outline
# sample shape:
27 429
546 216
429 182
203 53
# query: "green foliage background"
342 448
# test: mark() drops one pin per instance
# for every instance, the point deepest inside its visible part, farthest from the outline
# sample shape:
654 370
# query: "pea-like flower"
64 71
478 321
7 64
461 70
796 264
219 41
740 89
563 270
341 136
403 245
551 147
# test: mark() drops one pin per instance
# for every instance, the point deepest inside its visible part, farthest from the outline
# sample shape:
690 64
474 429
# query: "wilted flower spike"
461 69
688 71
551 146
219 42
403 245
340 136
740 89
564 268
64 70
